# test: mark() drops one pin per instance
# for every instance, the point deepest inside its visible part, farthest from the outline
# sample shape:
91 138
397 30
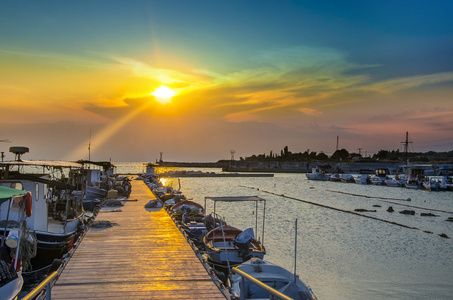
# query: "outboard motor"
242 242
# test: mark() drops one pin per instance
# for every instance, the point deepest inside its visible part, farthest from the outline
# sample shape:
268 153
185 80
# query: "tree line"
344 155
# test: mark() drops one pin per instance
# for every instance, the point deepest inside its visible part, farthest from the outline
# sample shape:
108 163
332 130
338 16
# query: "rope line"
333 208
391 202
342 210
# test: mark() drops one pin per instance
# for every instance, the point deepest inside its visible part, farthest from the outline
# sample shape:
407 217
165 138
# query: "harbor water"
339 254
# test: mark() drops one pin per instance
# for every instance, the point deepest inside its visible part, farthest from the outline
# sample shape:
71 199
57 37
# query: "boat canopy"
255 199
45 163
234 199
104 164
6 193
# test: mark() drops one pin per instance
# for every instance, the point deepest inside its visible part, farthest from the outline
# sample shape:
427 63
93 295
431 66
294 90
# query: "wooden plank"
144 257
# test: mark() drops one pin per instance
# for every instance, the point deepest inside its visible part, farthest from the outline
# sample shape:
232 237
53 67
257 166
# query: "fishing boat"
318 173
379 177
228 245
263 278
435 184
11 280
57 202
394 182
362 179
335 177
273 276
347 178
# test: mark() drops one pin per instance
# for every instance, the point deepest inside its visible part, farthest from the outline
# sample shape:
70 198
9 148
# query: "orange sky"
252 95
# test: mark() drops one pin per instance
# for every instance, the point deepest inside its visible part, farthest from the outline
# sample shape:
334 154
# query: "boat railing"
274 294
45 285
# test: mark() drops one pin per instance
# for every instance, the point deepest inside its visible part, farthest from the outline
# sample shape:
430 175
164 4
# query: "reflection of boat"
226 246
318 174
272 275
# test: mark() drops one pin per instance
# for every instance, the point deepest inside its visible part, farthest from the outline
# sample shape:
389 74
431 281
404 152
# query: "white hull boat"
272 275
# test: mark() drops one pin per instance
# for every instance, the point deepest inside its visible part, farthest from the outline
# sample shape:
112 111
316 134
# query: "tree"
340 155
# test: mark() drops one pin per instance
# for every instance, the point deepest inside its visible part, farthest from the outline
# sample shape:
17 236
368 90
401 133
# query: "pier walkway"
144 257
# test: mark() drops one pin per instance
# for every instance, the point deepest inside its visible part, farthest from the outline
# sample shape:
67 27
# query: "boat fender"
55 266
28 204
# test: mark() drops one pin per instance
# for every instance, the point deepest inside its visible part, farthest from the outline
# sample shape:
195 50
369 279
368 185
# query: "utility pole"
338 140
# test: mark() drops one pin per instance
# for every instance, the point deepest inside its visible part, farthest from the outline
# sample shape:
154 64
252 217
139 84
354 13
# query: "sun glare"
163 94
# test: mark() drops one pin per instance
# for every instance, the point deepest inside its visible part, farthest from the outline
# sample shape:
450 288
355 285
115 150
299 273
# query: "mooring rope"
391 202
341 210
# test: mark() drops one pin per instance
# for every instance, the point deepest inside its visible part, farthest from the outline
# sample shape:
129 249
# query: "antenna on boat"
295 251
89 147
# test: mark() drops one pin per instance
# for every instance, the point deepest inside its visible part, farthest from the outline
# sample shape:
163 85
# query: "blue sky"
296 73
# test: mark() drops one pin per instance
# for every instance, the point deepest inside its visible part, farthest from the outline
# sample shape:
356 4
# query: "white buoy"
13 238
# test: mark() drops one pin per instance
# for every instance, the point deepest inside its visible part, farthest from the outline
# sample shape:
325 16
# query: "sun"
163 94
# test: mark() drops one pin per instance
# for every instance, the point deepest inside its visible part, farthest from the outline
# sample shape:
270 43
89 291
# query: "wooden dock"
144 257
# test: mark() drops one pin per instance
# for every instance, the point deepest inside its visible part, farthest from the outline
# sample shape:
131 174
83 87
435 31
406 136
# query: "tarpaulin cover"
6 193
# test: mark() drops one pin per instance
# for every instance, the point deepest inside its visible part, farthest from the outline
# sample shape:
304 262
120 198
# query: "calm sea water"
341 255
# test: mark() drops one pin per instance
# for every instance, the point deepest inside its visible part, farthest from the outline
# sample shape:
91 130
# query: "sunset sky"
250 76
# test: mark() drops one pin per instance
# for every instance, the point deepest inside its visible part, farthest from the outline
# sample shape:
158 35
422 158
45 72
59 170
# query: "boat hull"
10 290
272 275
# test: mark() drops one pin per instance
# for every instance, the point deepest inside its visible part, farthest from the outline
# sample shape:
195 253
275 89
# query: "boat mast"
406 148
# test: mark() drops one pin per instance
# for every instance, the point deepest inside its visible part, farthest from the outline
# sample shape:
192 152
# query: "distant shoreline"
301 167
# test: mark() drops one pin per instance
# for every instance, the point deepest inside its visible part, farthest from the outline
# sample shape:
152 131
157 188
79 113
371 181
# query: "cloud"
398 84
309 111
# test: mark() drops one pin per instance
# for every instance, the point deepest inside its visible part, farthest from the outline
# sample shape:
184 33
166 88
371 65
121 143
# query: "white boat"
362 179
318 174
57 211
379 177
347 178
272 275
394 182
335 177
11 280
435 184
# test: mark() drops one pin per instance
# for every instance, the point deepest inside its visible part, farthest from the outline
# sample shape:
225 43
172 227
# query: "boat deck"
144 257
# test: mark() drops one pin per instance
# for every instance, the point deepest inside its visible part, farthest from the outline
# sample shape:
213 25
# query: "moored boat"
362 179
57 212
318 174
335 177
13 258
228 245
347 178
273 276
